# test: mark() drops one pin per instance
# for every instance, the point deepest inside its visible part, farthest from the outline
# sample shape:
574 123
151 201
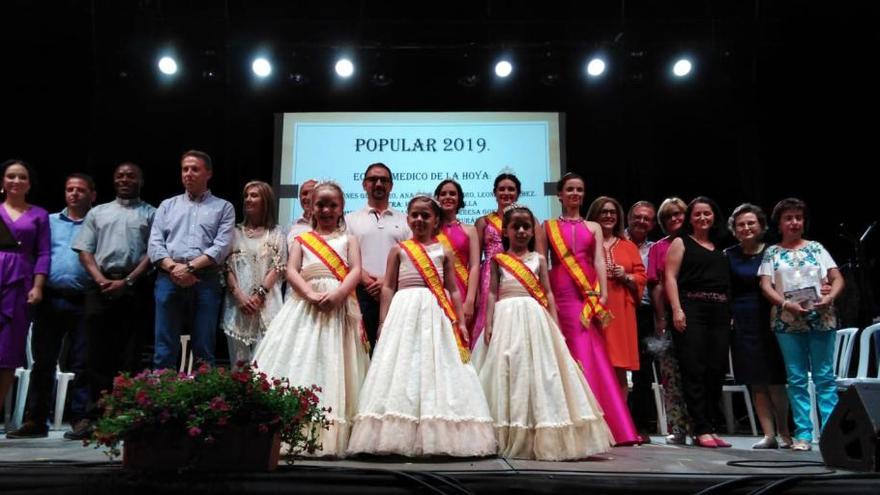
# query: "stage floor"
655 467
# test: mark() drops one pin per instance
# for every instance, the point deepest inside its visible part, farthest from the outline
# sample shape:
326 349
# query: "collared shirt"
298 227
644 249
185 228
117 233
65 271
377 232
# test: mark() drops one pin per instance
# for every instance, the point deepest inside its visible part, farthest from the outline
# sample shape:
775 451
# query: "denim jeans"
811 352
197 306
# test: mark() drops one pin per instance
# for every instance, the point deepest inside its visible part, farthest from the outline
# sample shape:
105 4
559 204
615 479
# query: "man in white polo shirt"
378 228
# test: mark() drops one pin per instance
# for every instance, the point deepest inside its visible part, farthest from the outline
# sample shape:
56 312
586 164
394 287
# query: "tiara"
515 206
425 196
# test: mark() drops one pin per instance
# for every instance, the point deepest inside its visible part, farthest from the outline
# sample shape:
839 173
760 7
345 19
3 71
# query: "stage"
55 465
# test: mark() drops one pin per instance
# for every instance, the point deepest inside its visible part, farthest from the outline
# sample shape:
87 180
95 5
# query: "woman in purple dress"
23 269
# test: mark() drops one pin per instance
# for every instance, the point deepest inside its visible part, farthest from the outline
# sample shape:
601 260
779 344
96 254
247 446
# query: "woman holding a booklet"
792 273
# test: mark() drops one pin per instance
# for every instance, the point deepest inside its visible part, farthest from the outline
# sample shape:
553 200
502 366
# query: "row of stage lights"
596 67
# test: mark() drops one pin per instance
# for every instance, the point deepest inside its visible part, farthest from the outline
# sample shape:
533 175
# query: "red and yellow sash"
325 252
420 259
589 289
494 220
522 273
461 271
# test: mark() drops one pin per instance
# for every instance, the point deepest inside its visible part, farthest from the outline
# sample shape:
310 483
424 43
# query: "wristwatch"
189 267
129 281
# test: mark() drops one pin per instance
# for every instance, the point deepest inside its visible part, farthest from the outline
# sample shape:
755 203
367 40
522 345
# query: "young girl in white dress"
421 397
317 336
542 406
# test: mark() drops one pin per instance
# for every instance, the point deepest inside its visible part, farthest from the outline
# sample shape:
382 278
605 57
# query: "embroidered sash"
338 267
589 289
524 275
425 266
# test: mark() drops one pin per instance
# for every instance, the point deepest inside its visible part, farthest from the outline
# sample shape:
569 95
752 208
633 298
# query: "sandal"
708 443
719 442
801 446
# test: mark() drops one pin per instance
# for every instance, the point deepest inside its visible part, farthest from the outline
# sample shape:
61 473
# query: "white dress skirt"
419 398
542 406
308 346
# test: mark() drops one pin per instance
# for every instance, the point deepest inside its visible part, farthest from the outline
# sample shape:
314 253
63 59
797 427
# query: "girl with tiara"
317 337
421 397
540 400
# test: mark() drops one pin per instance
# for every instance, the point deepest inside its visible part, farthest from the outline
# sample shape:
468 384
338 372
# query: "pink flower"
142 398
121 382
194 432
218 404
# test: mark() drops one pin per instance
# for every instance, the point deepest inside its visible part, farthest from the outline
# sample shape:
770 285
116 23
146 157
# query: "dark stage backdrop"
784 102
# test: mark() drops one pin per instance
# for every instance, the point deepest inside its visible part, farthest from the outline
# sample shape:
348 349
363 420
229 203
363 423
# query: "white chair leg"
661 409
62 380
751 412
24 379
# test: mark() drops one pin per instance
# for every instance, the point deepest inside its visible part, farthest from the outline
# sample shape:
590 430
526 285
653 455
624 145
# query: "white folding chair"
727 392
844 341
658 401
14 417
62 380
186 355
865 345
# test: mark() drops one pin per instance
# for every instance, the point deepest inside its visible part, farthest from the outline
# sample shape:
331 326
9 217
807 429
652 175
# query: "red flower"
241 376
121 382
142 398
218 404
194 432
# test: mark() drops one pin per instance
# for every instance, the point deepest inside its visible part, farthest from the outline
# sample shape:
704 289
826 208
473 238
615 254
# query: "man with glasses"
378 228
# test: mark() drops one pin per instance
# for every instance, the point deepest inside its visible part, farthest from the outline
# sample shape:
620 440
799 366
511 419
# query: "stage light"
261 67
596 67
503 68
344 68
168 66
682 67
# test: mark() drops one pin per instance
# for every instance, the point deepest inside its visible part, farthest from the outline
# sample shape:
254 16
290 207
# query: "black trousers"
702 356
113 326
641 400
370 314
59 315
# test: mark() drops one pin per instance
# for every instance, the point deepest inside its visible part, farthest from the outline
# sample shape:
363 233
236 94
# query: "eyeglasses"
373 180
609 213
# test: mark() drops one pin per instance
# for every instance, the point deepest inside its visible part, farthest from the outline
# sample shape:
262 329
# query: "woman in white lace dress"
317 337
253 276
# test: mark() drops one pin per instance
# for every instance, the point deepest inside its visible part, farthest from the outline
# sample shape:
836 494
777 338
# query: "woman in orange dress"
626 281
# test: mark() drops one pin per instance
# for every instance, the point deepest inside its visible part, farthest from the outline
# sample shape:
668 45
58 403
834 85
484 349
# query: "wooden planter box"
236 448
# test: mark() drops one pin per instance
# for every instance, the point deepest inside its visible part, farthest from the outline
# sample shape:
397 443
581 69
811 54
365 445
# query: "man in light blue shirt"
60 313
189 241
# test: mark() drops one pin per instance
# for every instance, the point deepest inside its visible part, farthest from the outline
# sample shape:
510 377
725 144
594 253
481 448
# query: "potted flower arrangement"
213 419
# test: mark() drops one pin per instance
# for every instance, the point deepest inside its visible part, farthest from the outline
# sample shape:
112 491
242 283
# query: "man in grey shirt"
189 241
112 247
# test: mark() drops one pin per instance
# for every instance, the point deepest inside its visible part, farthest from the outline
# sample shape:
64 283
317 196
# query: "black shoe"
30 429
82 430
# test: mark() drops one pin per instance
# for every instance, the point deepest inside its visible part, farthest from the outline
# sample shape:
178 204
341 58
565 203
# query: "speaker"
851 438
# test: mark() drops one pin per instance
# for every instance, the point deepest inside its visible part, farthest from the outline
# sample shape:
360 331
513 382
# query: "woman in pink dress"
576 253
462 240
506 190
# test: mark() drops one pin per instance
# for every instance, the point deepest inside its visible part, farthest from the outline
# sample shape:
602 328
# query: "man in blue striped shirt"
189 241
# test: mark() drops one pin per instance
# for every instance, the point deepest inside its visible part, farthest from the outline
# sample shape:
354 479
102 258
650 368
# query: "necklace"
252 232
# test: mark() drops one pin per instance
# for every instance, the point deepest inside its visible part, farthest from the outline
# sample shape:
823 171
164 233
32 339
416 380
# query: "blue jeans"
812 352
199 306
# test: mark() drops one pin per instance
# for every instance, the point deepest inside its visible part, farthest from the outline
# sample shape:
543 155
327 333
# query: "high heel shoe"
719 442
708 443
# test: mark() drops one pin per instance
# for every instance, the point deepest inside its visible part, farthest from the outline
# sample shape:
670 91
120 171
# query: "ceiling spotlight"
469 80
596 67
344 68
261 67
550 79
381 79
682 67
168 66
503 68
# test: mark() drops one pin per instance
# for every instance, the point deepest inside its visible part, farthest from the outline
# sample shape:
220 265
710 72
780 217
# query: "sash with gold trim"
589 289
337 266
494 219
524 275
420 259
458 261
